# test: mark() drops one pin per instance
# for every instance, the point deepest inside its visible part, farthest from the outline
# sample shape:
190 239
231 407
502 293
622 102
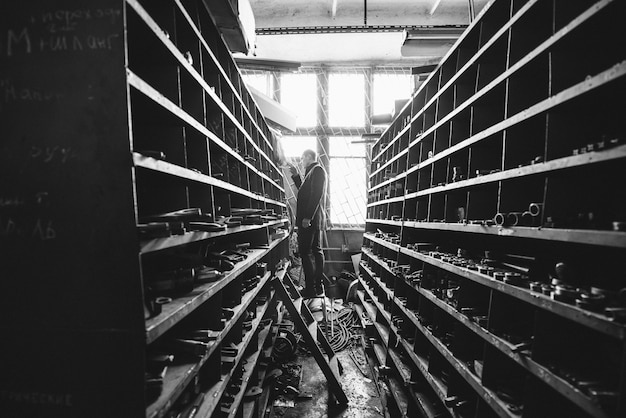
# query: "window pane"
387 89
341 146
258 81
347 191
346 100
294 145
298 92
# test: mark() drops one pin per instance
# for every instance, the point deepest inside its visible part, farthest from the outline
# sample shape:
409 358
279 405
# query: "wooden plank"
311 338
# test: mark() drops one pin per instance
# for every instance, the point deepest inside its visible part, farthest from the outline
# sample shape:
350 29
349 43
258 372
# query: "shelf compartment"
512 320
525 142
491 20
250 363
598 82
461 125
445 103
488 110
602 356
600 18
544 402
492 63
217 389
506 379
521 93
521 357
482 202
179 308
159 68
156 130
566 207
489 396
203 26
196 151
530 30
154 186
467 47
514 203
228 107
576 128
589 319
181 376
182 173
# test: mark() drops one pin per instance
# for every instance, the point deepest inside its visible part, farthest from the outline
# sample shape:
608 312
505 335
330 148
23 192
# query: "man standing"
310 221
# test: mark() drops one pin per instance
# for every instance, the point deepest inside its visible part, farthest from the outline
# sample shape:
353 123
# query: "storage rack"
142 112
494 214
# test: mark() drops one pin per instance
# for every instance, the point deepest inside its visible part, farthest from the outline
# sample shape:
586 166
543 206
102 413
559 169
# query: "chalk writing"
68 19
76 43
16 39
44 231
10 93
60 28
52 153
8 202
40 199
37 398
39 229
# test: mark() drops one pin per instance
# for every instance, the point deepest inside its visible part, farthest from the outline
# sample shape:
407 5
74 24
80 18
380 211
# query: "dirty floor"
363 399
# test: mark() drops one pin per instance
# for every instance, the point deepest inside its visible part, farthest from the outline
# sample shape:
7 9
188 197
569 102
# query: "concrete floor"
363 399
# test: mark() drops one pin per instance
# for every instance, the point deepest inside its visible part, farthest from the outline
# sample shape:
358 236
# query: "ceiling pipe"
334 9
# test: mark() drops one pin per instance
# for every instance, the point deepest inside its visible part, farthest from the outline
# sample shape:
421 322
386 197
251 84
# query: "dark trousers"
312 258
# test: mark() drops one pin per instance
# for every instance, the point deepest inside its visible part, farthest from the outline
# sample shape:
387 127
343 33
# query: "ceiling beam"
353 29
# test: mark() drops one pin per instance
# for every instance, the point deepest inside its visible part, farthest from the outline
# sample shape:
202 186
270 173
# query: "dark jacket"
310 195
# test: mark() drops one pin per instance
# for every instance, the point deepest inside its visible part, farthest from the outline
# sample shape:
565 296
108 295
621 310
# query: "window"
389 87
347 181
294 145
298 92
260 81
346 100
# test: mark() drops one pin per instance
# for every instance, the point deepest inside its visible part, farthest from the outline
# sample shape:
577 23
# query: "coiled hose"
343 329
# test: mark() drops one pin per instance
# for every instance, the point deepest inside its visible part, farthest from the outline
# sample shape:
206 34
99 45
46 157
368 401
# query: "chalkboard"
68 244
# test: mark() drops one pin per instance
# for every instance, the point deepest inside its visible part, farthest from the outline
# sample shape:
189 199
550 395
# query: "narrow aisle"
363 398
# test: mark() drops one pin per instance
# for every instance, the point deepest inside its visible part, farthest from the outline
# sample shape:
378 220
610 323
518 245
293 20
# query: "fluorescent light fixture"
430 41
267 65
367 138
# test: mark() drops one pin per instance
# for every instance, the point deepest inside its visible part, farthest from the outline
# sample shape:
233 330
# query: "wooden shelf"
539 371
165 167
250 364
585 86
179 377
221 69
185 64
179 308
214 394
171 107
159 244
394 247
589 319
136 76
564 163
